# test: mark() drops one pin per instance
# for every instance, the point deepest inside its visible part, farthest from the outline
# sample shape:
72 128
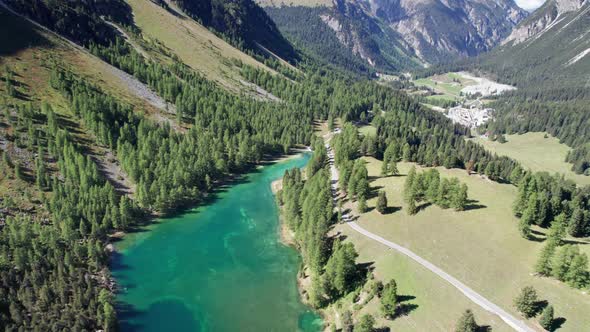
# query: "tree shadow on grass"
422 207
374 192
404 309
536 236
557 323
405 298
473 204
391 209
540 305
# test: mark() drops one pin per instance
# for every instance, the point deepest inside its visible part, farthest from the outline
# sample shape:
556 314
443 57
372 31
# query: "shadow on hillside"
19 35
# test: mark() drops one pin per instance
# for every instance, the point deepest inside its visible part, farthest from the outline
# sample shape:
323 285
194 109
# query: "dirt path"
477 298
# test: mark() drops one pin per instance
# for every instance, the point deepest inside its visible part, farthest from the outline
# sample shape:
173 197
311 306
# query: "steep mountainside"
404 34
543 19
550 51
241 21
440 30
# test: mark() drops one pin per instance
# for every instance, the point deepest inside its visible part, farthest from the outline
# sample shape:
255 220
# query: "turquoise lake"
221 267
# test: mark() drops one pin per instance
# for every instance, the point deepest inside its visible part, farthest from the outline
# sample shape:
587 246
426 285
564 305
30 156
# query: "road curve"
478 299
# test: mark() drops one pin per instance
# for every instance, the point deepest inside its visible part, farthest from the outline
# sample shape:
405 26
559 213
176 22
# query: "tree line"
308 211
428 187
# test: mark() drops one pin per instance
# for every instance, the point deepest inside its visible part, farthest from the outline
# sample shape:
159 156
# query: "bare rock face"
551 13
437 30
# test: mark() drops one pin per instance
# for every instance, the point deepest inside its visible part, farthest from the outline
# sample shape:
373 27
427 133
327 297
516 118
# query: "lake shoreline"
287 237
241 236
151 217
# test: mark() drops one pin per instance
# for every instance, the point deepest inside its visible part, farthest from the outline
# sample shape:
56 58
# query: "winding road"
477 298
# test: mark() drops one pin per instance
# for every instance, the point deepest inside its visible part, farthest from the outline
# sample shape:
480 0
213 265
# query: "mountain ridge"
401 35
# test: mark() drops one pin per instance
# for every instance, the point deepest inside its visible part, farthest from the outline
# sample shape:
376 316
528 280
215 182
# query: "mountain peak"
541 20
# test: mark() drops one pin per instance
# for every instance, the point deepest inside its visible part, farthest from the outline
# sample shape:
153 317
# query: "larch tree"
526 302
382 202
546 320
389 299
467 322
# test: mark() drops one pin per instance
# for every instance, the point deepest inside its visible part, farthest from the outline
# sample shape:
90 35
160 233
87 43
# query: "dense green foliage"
78 20
54 275
366 324
428 187
228 133
308 211
526 302
306 30
542 198
389 299
546 320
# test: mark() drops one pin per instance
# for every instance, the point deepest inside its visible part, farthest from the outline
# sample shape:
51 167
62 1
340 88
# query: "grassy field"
447 85
368 130
534 151
480 246
194 44
433 304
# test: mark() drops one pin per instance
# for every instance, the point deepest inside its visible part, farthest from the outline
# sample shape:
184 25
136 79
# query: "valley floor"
480 246
536 152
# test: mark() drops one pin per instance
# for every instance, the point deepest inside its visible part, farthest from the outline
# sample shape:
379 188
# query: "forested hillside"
80 21
547 58
97 140
396 36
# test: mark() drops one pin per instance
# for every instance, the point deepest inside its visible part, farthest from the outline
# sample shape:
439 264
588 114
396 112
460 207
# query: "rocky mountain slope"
543 19
549 51
402 34
440 29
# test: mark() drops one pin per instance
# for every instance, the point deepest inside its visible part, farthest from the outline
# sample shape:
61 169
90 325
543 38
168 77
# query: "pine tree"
467 322
546 319
524 227
543 264
577 223
389 299
459 199
382 202
18 171
385 167
411 207
365 324
526 302
561 261
346 321
409 183
577 275
362 204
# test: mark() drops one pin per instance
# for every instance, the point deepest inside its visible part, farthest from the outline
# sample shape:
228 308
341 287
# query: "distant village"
471 113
